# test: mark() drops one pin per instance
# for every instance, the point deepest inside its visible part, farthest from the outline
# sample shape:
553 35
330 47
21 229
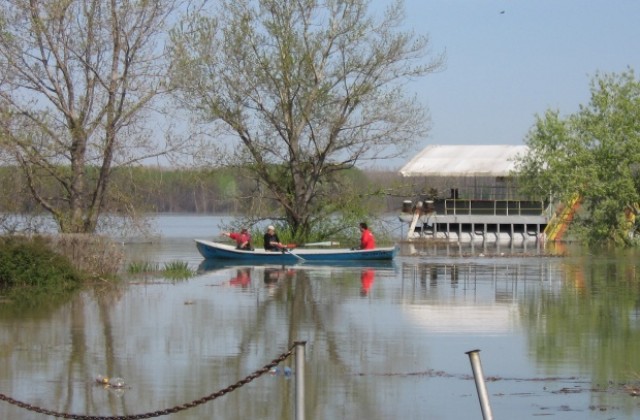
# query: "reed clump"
177 270
173 270
142 267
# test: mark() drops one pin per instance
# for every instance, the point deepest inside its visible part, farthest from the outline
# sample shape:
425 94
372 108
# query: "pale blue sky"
504 68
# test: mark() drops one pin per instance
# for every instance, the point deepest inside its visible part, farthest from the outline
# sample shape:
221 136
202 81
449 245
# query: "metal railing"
491 207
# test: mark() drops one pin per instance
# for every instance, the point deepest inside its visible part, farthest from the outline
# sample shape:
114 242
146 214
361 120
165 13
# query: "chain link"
256 374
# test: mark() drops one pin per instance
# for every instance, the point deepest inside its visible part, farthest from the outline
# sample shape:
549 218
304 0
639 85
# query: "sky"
510 60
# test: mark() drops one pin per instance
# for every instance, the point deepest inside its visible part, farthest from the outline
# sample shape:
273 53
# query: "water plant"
177 270
142 267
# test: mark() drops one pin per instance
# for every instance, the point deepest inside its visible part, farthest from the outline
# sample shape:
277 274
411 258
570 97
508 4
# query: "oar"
288 251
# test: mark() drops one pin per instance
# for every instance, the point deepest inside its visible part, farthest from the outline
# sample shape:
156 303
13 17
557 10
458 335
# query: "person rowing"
271 240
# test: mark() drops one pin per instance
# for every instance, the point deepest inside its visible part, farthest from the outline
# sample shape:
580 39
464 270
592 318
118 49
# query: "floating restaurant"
472 197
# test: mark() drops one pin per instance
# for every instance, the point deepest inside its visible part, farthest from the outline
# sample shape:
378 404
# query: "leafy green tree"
594 153
302 91
79 78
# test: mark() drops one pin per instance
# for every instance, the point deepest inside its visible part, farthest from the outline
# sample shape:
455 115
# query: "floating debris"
107 382
102 380
116 382
278 371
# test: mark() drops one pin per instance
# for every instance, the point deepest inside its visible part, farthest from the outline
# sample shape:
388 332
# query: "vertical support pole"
512 235
476 366
484 234
300 380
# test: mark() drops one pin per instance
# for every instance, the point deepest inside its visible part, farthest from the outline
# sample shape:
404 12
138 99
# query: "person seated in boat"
367 240
271 240
242 238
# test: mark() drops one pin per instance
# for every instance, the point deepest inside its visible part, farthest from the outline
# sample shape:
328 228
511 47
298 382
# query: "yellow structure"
558 225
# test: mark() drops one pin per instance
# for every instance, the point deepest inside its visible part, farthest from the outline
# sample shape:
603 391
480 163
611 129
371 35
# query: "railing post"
474 358
300 380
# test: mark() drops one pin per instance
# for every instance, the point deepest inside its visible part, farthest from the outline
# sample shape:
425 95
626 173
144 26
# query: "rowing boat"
219 251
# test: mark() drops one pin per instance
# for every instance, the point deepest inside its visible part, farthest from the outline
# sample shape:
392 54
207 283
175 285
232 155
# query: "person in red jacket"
243 239
367 241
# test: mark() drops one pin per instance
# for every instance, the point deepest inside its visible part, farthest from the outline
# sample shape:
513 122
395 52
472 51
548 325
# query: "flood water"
558 337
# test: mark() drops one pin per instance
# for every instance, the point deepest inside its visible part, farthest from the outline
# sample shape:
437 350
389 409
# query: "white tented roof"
464 160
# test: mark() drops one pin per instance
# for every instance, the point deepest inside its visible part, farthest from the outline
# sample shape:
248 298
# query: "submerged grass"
142 267
174 270
177 270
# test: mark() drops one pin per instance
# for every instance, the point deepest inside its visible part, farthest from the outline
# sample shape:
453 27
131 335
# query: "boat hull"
218 251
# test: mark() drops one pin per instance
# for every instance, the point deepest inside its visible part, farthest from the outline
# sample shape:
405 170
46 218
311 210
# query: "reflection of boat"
242 278
210 265
367 277
273 275
218 251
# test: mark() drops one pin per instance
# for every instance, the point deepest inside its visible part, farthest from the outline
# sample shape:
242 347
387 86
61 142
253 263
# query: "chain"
256 374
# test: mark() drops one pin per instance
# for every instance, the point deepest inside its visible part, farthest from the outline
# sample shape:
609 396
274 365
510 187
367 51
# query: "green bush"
31 264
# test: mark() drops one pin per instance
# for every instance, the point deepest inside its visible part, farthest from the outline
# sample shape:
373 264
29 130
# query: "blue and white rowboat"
219 251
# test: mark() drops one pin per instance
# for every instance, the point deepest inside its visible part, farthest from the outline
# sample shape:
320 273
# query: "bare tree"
307 89
80 79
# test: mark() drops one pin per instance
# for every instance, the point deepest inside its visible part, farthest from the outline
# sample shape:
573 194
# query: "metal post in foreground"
300 379
474 358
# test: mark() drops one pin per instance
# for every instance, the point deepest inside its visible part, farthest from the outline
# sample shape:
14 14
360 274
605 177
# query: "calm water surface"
558 336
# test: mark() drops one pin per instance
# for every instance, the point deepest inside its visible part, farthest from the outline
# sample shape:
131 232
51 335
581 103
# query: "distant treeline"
203 191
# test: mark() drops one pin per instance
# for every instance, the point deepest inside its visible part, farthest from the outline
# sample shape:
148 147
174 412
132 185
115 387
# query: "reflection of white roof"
464 160
457 319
